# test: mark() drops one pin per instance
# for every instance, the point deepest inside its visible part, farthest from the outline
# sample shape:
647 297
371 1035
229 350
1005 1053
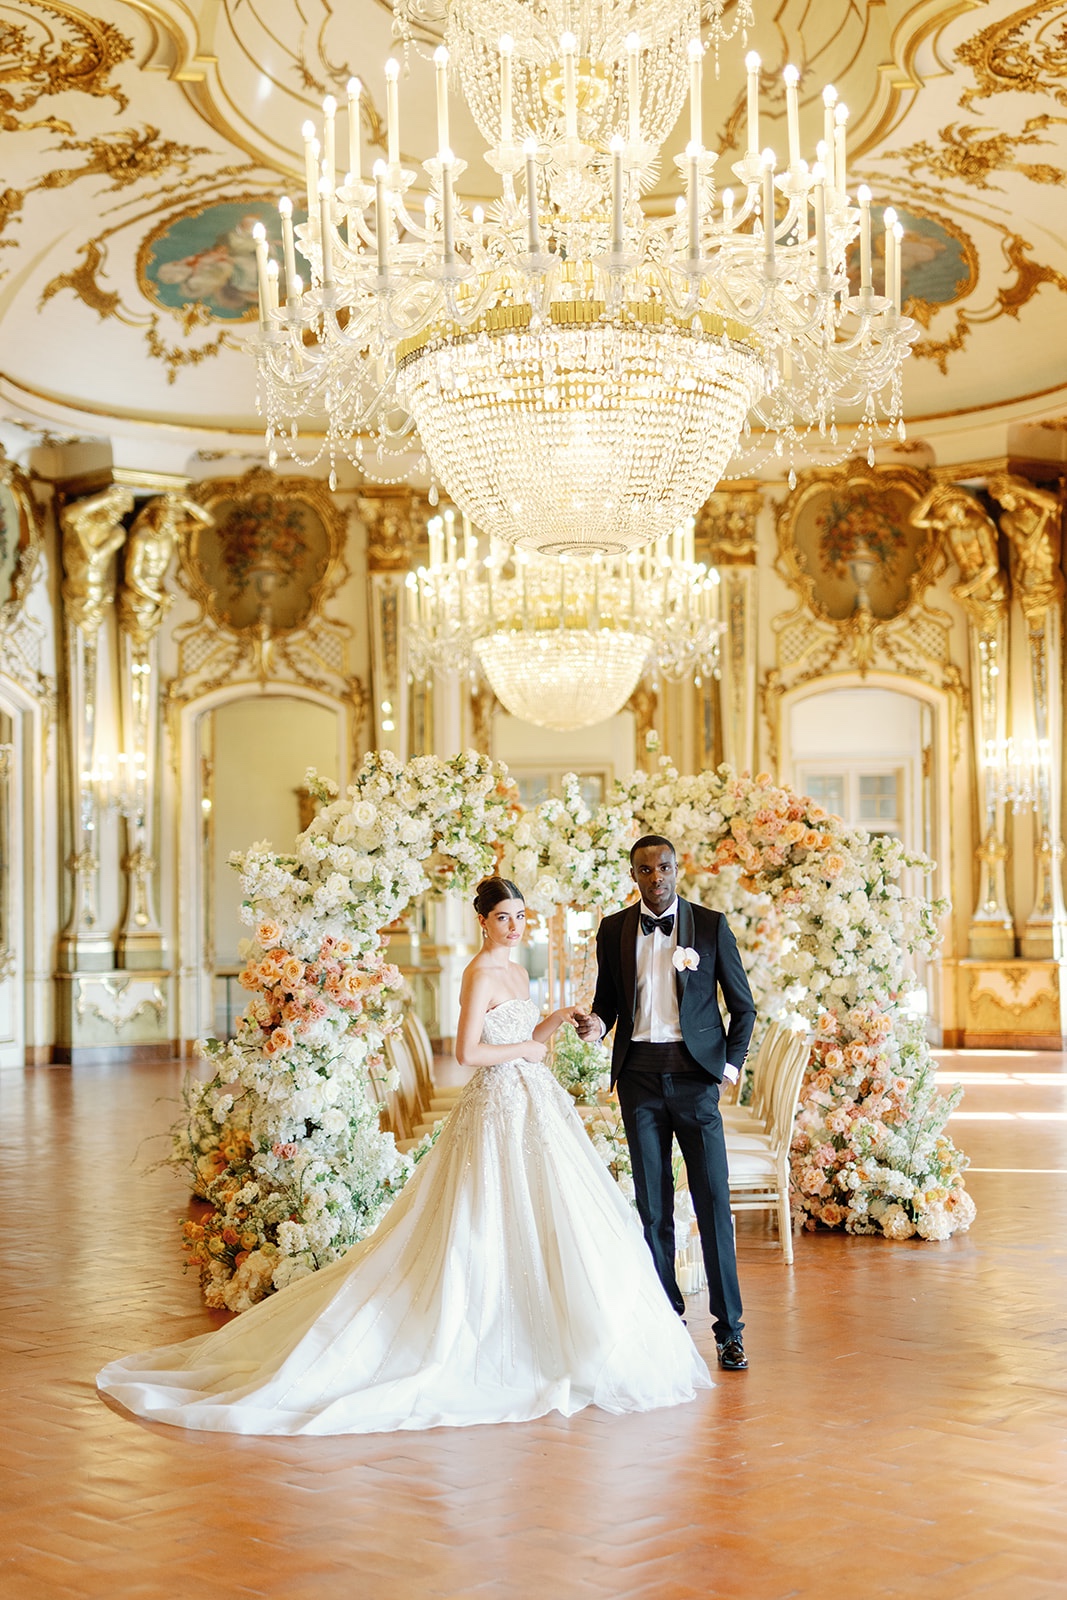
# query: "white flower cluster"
564 853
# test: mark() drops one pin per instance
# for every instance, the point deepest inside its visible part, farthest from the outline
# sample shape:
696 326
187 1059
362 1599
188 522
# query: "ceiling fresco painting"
143 140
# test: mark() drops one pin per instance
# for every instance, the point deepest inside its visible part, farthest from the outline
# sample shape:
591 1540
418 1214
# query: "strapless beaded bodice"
511 1022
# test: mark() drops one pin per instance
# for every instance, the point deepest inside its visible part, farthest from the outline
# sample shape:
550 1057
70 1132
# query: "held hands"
587 1026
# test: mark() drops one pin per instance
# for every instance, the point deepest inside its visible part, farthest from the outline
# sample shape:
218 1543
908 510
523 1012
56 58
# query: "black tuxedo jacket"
708 933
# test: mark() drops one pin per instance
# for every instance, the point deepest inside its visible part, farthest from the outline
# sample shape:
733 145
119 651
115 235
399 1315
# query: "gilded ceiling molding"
1029 277
969 154
76 54
390 514
1025 53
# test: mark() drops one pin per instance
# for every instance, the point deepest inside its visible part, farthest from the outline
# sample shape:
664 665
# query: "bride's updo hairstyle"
491 891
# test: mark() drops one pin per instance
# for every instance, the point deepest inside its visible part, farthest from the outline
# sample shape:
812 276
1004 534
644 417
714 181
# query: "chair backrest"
790 1082
418 1042
773 1050
407 1090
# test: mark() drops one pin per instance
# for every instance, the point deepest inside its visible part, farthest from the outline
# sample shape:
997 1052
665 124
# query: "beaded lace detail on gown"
509 1278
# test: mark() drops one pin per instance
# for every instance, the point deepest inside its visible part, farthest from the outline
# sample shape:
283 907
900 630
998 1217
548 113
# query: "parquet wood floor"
900 1431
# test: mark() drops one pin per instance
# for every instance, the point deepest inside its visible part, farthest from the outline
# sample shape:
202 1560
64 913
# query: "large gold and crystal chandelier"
562 642
579 373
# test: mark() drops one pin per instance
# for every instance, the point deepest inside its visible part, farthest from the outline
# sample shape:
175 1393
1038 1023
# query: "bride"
510 1277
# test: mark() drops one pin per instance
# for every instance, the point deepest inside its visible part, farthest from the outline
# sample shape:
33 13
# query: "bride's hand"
534 1050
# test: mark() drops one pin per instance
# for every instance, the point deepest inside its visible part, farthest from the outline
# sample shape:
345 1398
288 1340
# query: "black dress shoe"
732 1357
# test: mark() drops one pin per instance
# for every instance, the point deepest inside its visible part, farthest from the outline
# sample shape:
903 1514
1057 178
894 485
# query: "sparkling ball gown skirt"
510 1278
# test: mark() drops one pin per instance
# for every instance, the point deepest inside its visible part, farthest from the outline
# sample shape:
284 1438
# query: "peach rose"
268 933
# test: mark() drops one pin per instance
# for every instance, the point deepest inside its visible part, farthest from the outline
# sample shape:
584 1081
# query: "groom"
658 966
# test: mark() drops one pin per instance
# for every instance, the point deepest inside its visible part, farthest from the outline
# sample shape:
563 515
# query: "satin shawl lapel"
686 936
628 956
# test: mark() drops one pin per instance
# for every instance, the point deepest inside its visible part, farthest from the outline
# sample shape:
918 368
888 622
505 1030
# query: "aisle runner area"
901 1425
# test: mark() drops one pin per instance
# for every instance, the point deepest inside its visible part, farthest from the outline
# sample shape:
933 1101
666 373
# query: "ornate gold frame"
29 534
144 283
258 480
814 481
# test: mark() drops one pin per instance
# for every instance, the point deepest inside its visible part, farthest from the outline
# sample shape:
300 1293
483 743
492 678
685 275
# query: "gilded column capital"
392 534
92 532
158 528
726 522
971 537
1031 521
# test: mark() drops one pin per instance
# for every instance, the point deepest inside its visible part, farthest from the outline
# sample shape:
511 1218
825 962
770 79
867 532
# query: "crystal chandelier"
579 372
562 641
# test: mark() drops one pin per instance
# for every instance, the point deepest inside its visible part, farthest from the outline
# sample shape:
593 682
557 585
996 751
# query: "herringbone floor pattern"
900 1433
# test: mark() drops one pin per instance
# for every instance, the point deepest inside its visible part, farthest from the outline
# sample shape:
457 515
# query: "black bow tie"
664 924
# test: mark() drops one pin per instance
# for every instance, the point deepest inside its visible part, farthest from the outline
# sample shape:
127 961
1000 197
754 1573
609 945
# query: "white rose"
364 813
362 870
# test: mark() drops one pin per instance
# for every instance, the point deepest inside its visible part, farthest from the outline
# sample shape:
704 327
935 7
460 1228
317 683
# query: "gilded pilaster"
1030 519
970 536
389 517
92 531
142 604
727 523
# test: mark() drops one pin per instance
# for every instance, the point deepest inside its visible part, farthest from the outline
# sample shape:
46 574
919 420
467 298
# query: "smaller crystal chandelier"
1017 770
563 642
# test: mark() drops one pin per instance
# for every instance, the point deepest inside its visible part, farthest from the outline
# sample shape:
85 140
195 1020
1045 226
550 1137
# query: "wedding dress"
509 1278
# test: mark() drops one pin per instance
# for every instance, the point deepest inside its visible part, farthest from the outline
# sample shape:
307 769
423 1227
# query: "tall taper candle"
355 158
381 218
791 75
633 86
392 109
507 45
752 66
440 61
329 141
696 121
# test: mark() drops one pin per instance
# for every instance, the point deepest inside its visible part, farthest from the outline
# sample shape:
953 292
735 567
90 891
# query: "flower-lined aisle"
283 1140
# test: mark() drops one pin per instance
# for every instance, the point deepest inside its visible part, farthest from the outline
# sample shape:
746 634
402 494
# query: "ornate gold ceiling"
142 139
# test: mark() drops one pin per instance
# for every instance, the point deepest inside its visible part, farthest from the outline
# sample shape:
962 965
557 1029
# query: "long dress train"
509 1278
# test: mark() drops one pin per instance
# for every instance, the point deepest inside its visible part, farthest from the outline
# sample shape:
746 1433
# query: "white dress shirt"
656 1015
656 1019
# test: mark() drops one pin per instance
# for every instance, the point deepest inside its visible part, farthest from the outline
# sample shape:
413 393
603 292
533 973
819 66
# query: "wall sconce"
1017 770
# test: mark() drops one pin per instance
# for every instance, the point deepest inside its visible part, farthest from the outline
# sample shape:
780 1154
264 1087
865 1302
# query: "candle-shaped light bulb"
727 208
617 147
633 86
692 195
285 211
752 66
768 160
447 206
532 232
272 288
696 66
840 166
392 109
829 101
355 162
865 239
568 44
818 172
440 61
326 232
329 141
311 165
791 75
259 235
478 218
381 218
889 220
507 45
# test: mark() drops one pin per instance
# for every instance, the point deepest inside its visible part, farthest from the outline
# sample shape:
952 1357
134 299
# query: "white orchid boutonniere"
685 958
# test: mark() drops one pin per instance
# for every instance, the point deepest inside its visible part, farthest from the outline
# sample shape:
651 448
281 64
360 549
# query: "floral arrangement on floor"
283 1142
583 1069
834 926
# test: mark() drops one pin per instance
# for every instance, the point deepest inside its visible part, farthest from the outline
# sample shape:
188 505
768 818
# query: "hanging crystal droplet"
792 478
433 496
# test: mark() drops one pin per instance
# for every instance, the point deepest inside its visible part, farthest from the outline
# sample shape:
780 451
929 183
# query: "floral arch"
283 1139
